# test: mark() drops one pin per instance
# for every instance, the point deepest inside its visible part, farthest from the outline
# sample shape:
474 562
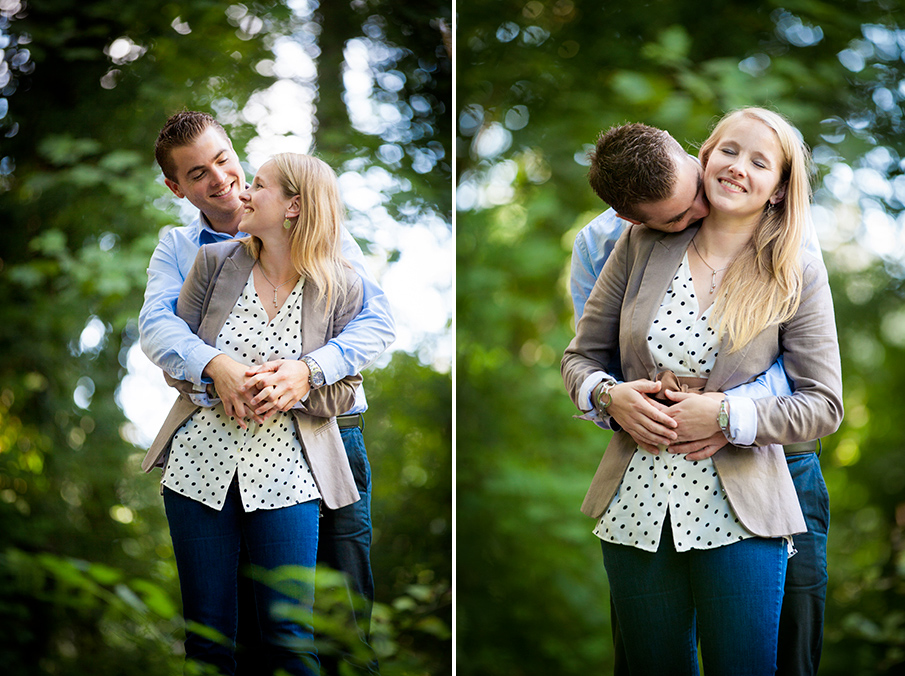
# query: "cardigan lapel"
227 287
726 365
659 271
665 258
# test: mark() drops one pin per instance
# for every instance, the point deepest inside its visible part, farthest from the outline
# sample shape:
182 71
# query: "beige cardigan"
208 295
618 317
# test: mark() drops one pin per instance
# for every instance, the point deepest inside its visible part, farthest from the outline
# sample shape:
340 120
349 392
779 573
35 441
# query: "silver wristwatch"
722 418
316 376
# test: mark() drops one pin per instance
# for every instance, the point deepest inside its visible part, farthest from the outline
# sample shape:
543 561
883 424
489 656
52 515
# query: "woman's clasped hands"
259 392
689 427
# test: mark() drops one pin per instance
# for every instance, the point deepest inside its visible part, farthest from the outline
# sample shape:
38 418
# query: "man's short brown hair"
633 164
180 130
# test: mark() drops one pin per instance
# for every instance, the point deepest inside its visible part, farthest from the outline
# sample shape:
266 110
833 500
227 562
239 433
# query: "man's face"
686 205
209 175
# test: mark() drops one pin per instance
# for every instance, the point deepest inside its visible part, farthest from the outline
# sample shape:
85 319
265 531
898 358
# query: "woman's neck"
275 262
723 237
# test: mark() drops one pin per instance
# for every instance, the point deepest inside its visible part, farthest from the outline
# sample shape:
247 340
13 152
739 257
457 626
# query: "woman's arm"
810 356
339 397
596 344
810 351
368 333
190 309
190 304
165 338
230 374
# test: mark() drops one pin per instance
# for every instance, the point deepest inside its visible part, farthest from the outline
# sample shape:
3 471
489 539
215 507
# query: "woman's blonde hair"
315 237
763 283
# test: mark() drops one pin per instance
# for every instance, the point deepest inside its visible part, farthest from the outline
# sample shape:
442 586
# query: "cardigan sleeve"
810 351
339 397
596 341
190 308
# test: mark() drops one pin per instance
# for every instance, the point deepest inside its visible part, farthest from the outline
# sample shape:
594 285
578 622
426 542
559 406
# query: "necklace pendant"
712 282
275 298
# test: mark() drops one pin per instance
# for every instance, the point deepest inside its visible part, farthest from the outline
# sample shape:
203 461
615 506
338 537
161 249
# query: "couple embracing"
706 340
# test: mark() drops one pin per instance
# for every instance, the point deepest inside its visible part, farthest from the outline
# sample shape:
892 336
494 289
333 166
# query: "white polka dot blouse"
268 460
700 514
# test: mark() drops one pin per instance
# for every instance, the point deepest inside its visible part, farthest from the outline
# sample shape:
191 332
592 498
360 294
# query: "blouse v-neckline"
263 306
654 486
267 459
701 312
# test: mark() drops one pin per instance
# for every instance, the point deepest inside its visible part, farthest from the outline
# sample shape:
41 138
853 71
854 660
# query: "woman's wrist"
602 396
722 418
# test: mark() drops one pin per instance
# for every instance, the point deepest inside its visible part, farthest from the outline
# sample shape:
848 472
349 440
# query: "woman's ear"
294 208
779 195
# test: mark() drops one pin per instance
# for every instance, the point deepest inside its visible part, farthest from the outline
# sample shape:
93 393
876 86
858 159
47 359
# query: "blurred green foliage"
536 83
87 579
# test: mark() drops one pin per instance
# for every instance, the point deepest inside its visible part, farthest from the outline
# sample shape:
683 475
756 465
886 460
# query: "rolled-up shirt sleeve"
165 338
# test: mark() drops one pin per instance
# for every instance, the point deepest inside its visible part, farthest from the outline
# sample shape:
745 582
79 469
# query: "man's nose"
218 174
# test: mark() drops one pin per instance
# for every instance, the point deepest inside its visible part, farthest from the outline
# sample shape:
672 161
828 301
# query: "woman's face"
265 204
744 168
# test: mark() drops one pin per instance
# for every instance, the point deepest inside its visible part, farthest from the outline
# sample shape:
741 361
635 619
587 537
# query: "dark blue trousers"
344 544
729 598
804 600
207 543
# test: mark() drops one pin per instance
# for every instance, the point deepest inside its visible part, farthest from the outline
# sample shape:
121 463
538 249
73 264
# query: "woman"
697 545
227 483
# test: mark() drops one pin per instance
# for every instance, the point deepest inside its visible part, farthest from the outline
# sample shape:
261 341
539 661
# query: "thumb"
647 386
266 367
675 395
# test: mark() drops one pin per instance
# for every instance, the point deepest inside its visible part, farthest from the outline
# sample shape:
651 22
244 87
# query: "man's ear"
779 195
630 220
174 187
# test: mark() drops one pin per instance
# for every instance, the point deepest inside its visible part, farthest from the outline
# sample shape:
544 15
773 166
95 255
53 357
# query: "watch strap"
601 395
722 417
316 378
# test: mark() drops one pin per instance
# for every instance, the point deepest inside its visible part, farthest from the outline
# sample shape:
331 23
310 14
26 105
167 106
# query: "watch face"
316 378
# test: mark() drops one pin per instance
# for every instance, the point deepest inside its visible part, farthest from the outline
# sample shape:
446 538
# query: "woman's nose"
736 168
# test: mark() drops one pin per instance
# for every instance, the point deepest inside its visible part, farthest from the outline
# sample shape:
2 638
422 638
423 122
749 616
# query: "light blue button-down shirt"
170 344
593 244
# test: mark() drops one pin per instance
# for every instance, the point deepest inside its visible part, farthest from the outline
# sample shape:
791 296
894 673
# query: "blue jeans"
729 597
207 544
345 538
801 623
344 544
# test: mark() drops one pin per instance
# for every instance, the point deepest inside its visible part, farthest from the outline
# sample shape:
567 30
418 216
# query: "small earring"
287 224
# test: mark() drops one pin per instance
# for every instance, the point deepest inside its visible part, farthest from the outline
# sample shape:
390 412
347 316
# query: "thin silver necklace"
261 268
712 271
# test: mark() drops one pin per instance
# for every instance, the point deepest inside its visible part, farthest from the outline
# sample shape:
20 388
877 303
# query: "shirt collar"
209 235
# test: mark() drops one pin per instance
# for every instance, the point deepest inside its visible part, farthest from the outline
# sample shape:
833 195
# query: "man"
647 178
200 165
